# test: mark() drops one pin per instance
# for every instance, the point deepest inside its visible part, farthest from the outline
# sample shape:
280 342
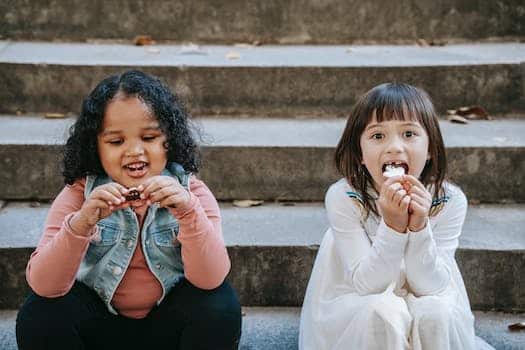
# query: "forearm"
206 261
427 272
53 266
382 265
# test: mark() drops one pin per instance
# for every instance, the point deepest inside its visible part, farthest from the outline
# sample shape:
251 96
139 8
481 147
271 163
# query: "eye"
409 133
377 136
115 142
149 137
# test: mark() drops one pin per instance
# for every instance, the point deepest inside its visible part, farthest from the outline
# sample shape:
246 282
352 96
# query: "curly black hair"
81 153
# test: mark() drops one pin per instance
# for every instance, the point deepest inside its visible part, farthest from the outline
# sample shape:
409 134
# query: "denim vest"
108 257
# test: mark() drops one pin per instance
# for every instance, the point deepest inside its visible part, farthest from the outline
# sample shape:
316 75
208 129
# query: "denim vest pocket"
165 236
99 246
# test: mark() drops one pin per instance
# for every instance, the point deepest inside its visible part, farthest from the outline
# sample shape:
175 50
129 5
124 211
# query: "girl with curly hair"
132 253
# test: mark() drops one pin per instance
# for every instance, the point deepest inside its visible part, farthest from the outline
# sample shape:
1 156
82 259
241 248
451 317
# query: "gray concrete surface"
283 159
271 21
268 244
269 79
274 328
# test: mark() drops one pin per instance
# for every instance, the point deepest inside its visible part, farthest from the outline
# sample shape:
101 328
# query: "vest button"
130 244
158 266
117 270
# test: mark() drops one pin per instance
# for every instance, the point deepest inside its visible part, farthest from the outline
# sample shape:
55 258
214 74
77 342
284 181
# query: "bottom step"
276 328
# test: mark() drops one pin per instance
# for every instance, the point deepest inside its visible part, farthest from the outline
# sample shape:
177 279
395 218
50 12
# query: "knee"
435 315
39 318
388 311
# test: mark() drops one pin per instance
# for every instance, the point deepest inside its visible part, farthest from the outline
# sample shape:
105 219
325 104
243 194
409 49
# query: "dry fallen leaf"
256 43
470 112
520 326
142 40
454 118
232 55
246 203
34 204
54 115
422 42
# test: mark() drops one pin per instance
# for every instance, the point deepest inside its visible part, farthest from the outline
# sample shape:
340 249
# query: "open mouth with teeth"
394 169
136 169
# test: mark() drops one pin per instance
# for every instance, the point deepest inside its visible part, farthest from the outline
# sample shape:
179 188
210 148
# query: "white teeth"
136 166
393 170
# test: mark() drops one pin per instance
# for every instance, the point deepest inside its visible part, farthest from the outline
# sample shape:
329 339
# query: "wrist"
398 228
80 225
416 227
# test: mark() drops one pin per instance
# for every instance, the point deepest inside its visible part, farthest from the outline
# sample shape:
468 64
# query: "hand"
420 203
100 203
393 203
165 190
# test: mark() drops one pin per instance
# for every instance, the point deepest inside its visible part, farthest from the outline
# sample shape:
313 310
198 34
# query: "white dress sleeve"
430 253
369 267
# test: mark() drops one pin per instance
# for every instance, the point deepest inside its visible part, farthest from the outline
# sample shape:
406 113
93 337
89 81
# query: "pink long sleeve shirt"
52 267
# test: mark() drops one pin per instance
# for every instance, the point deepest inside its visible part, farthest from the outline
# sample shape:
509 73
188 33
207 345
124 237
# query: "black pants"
188 318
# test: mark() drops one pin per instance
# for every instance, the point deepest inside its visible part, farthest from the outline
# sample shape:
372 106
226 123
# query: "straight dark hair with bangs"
390 101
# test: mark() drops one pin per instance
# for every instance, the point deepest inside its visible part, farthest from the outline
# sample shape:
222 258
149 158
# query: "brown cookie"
132 195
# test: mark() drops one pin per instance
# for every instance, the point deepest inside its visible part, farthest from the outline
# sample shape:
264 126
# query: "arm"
369 267
206 261
431 250
53 266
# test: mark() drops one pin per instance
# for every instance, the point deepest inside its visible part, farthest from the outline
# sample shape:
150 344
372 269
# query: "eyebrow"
371 126
116 132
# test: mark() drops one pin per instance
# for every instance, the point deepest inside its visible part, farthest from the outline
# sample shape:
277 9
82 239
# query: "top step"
283 22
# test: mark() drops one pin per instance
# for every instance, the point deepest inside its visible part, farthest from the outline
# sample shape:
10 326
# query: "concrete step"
289 80
276 21
271 243
277 328
277 159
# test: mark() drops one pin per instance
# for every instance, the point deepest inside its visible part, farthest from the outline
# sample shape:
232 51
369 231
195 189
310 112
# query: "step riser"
277 276
268 90
275 21
270 173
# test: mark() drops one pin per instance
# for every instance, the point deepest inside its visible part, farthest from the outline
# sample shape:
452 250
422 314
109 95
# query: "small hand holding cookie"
165 190
100 203
420 203
393 203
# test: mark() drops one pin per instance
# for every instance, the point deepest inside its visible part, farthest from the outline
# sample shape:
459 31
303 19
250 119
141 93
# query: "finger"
164 193
398 196
392 190
106 196
151 187
413 181
419 206
423 193
405 203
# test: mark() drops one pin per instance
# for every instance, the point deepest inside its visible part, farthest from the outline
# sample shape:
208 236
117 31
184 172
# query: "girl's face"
401 142
131 143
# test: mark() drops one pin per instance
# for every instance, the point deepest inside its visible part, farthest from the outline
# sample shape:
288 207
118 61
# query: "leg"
440 324
192 318
379 321
76 320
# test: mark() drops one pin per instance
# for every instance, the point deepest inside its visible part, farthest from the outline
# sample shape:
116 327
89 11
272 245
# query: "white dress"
374 288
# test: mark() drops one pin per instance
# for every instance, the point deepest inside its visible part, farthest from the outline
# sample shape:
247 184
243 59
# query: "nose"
394 145
135 149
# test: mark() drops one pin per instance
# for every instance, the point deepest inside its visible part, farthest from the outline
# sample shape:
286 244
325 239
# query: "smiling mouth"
136 166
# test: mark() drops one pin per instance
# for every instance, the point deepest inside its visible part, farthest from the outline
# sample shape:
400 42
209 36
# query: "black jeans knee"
205 319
